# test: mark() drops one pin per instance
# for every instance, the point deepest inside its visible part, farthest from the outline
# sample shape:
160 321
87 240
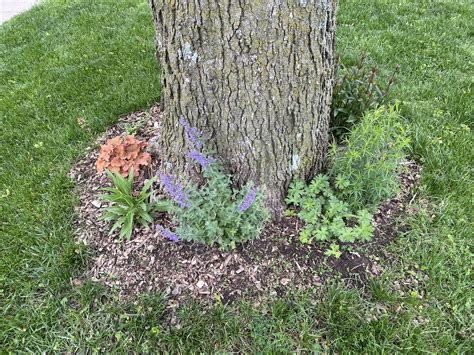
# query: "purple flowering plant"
175 190
165 232
248 200
214 212
201 159
194 137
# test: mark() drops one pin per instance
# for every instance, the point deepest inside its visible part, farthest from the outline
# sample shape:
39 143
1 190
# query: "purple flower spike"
175 190
248 200
200 158
192 133
167 233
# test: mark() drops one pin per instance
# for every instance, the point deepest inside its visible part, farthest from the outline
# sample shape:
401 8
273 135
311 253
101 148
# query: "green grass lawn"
94 60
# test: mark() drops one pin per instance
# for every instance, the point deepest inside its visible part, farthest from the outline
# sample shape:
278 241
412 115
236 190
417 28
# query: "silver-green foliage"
366 168
125 207
214 213
327 217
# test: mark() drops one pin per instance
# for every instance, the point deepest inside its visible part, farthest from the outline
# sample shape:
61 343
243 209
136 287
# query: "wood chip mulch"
274 264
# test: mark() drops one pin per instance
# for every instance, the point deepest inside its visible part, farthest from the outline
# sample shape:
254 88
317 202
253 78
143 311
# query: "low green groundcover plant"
365 168
326 217
213 213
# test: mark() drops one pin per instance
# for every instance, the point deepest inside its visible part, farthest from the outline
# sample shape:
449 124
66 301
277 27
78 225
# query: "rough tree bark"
256 77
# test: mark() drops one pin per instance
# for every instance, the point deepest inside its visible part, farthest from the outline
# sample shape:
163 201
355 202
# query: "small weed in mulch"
274 264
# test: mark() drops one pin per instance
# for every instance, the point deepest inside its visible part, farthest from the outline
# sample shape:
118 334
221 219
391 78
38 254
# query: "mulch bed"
274 264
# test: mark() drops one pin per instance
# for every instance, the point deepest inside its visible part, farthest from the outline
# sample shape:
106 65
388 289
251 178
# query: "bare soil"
274 264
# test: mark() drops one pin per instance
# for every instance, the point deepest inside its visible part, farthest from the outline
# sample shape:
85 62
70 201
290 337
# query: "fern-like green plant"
126 208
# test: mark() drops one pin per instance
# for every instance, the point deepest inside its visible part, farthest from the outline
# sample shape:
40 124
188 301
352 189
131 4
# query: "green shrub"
213 213
125 208
356 90
365 169
326 217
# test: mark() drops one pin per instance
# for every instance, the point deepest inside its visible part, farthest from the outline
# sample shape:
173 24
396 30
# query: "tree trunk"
256 77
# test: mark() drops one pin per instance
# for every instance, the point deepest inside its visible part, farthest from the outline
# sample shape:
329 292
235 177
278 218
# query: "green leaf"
118 210
162 206
127 227
310 216
319 184
148 184
117 224
109 217
124 186
346 235
364 232
109 189
333 251
144 215
295 192
305 235
342 183
364 217
130 177
322 233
